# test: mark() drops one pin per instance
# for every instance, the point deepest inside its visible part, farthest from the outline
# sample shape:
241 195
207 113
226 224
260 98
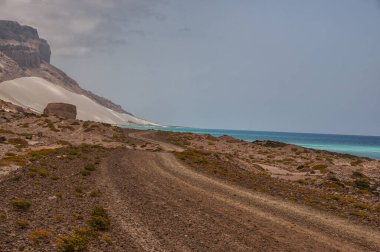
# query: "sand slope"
35 93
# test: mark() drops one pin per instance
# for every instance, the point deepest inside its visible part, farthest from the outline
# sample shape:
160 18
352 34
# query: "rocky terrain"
71 185
80 185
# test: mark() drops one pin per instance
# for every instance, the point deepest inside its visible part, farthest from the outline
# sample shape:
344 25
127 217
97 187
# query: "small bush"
356 162
359 214
321 167
107 239
3 215
16 160
21 204
40 154
18 142
72 243
272 144
59 195
99 219
90 167
332 185
357 174
301 181
23 224
95 193
43 173
377 208
39 235
85 173
63 142
79 189
361 206
335 197
362 184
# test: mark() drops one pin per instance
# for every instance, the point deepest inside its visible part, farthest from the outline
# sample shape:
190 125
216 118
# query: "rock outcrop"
23 45
62 110
24 54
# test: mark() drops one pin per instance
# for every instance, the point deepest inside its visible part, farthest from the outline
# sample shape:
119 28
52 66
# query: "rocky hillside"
23 45
24 54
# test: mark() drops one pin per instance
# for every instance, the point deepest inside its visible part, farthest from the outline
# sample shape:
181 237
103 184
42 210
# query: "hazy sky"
284 65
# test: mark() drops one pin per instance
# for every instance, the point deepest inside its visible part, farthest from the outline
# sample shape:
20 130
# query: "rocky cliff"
23 45
23 54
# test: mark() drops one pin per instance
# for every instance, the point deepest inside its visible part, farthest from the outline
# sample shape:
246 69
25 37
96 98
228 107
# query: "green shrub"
90 167
3 215
359 214
321 167
18 142
362 184
43 173
40 154
23 224
357 174
272 144
95 193
85 173
21 204
99 219
39 235
361 206
72 243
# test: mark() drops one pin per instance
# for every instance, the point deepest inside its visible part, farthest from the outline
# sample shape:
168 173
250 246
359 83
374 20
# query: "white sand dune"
35 93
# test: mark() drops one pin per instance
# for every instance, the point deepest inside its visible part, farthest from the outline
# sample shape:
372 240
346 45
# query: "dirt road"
163 205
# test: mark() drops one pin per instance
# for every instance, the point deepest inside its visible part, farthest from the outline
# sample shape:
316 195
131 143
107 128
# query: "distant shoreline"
361 146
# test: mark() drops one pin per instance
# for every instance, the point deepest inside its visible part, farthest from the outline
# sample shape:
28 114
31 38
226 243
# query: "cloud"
80 27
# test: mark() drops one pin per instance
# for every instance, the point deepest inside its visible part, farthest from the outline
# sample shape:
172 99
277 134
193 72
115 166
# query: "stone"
62 110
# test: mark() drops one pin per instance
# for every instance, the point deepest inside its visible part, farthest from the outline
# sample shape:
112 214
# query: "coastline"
343 144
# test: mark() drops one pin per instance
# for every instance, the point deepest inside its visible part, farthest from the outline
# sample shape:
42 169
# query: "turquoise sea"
364 146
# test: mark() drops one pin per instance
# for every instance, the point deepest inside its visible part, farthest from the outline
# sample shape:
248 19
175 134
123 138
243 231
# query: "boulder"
62 110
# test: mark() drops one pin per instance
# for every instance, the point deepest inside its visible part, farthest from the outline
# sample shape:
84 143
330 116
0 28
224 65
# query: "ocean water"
363 146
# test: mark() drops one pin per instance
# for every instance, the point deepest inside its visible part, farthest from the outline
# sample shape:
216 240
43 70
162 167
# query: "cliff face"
23 45
23 53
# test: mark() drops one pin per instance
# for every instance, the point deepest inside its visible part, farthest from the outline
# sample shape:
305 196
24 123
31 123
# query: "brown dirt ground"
163 195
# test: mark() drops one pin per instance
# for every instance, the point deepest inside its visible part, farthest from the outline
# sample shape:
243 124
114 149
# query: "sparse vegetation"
95 193
85 173
39 235
23 224
271 144
359 214
99 219
356 162
20 204
72 243
3 215
320 167
18 142
362 206
90 167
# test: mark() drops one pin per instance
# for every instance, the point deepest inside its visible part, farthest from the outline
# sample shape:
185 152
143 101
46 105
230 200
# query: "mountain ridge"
24 54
